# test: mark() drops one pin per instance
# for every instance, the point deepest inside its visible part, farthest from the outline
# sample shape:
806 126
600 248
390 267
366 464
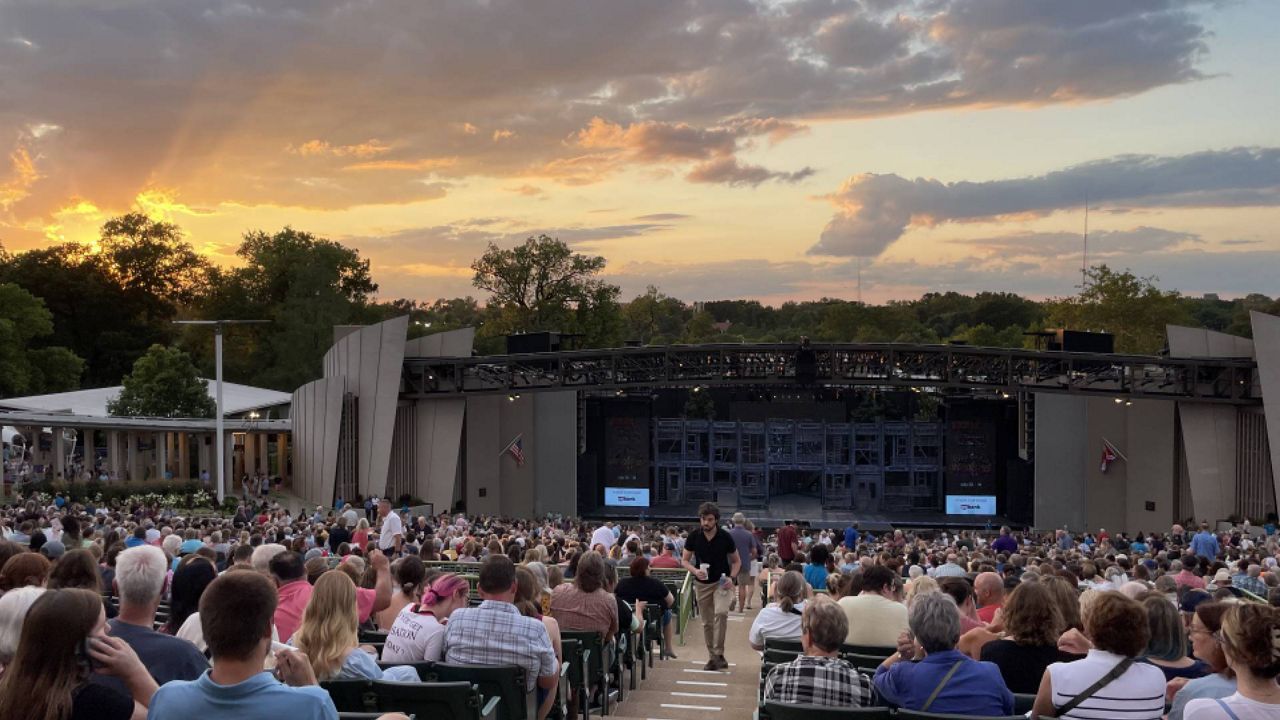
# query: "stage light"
1119 400
513 397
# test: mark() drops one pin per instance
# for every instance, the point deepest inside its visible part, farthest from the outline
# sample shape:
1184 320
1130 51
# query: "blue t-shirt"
850 538
261 697
816 576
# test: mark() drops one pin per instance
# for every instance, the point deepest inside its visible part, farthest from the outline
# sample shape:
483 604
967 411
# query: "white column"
161 441
59 452
131 452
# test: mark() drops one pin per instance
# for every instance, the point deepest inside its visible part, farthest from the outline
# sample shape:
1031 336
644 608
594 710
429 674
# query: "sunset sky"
714 148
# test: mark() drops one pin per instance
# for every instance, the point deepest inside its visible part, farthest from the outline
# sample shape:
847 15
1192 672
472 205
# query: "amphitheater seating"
919 715
454 700
506 682
597 664
784 711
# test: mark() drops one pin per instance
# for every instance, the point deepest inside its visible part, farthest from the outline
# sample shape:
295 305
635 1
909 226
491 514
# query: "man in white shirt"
603 535
391 535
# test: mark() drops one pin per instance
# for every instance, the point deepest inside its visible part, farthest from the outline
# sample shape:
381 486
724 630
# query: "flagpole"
1114 449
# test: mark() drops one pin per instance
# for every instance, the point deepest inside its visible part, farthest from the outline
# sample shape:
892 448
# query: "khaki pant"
713 608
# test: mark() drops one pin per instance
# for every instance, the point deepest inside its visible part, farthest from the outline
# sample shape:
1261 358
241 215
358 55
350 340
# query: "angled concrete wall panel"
317 419
439 438
1266 337
370 360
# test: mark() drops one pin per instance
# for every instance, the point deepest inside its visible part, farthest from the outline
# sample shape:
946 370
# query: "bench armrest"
490 708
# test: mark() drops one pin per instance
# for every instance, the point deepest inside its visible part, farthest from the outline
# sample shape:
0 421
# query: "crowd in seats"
1057 625
137 612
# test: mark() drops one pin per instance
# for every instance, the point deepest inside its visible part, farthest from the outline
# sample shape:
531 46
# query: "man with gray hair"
928 673
139 582
749 549
820 677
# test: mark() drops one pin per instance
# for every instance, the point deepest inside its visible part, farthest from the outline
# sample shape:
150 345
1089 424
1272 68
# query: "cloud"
1102 243
323 148
873 211
1239 241
1194 272
526 190
226 86
611 146
655 217
728 171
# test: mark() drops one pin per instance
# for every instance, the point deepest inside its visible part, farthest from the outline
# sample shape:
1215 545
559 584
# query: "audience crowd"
137 612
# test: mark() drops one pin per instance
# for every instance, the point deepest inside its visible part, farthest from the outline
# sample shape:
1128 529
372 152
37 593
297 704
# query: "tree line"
75 315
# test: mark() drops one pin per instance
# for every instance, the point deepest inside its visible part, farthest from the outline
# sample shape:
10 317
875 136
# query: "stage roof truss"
1229 380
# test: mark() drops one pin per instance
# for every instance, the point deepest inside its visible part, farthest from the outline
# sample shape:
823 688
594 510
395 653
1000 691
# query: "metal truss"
1219 380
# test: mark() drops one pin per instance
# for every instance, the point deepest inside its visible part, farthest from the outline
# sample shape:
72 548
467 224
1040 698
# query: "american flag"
516 450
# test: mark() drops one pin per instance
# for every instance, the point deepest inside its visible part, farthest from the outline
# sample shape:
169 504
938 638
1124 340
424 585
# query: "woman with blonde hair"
781 619
922 585
329 635
361 536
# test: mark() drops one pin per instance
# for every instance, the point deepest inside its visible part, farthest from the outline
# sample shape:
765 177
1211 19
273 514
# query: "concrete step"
714 697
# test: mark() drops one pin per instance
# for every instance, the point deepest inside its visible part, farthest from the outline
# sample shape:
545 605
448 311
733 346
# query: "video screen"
626 497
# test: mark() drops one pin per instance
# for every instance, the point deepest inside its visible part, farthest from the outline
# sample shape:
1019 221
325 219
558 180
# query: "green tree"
152 261
540 283
25 368
164 383
305 286
700 328
1130 307
654 318
983 335
93 316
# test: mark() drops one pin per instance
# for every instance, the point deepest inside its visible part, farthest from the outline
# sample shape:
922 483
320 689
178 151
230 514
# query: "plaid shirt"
813 680
495 633
1252 584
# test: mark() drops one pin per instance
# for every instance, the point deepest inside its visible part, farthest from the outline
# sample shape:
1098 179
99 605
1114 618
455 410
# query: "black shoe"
711 665
721 663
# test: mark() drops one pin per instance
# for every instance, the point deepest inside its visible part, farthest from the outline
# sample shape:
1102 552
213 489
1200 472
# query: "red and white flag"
516 450
1108 455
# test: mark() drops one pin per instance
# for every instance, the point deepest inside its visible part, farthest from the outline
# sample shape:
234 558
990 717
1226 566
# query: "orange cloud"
322 148
23 175
421 164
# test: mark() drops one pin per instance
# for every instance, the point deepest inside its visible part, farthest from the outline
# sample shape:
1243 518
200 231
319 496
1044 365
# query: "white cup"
705 568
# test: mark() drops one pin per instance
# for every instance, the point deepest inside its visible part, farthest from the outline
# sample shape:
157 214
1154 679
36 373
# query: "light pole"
217 369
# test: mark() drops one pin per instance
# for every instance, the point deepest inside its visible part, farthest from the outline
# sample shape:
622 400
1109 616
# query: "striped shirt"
1138 694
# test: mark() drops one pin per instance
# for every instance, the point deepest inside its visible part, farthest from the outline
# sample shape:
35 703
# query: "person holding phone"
63 643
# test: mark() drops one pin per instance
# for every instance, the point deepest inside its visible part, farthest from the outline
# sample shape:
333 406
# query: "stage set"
888 434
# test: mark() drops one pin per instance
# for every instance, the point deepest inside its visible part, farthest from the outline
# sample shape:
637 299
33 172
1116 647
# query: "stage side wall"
1060 461
1071 488
547 482
556 417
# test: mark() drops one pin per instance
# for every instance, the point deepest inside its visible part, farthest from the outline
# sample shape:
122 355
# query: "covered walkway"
77 447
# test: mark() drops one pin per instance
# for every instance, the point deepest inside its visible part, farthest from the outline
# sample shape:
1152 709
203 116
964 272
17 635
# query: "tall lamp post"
217 363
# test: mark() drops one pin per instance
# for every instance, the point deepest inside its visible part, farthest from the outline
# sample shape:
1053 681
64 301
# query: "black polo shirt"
715 552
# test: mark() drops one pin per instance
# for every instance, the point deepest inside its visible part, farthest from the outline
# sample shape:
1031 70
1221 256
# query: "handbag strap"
1227 709
1103 681
945 679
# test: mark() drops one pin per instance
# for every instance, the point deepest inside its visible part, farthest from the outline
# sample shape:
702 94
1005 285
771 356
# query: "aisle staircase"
682 690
